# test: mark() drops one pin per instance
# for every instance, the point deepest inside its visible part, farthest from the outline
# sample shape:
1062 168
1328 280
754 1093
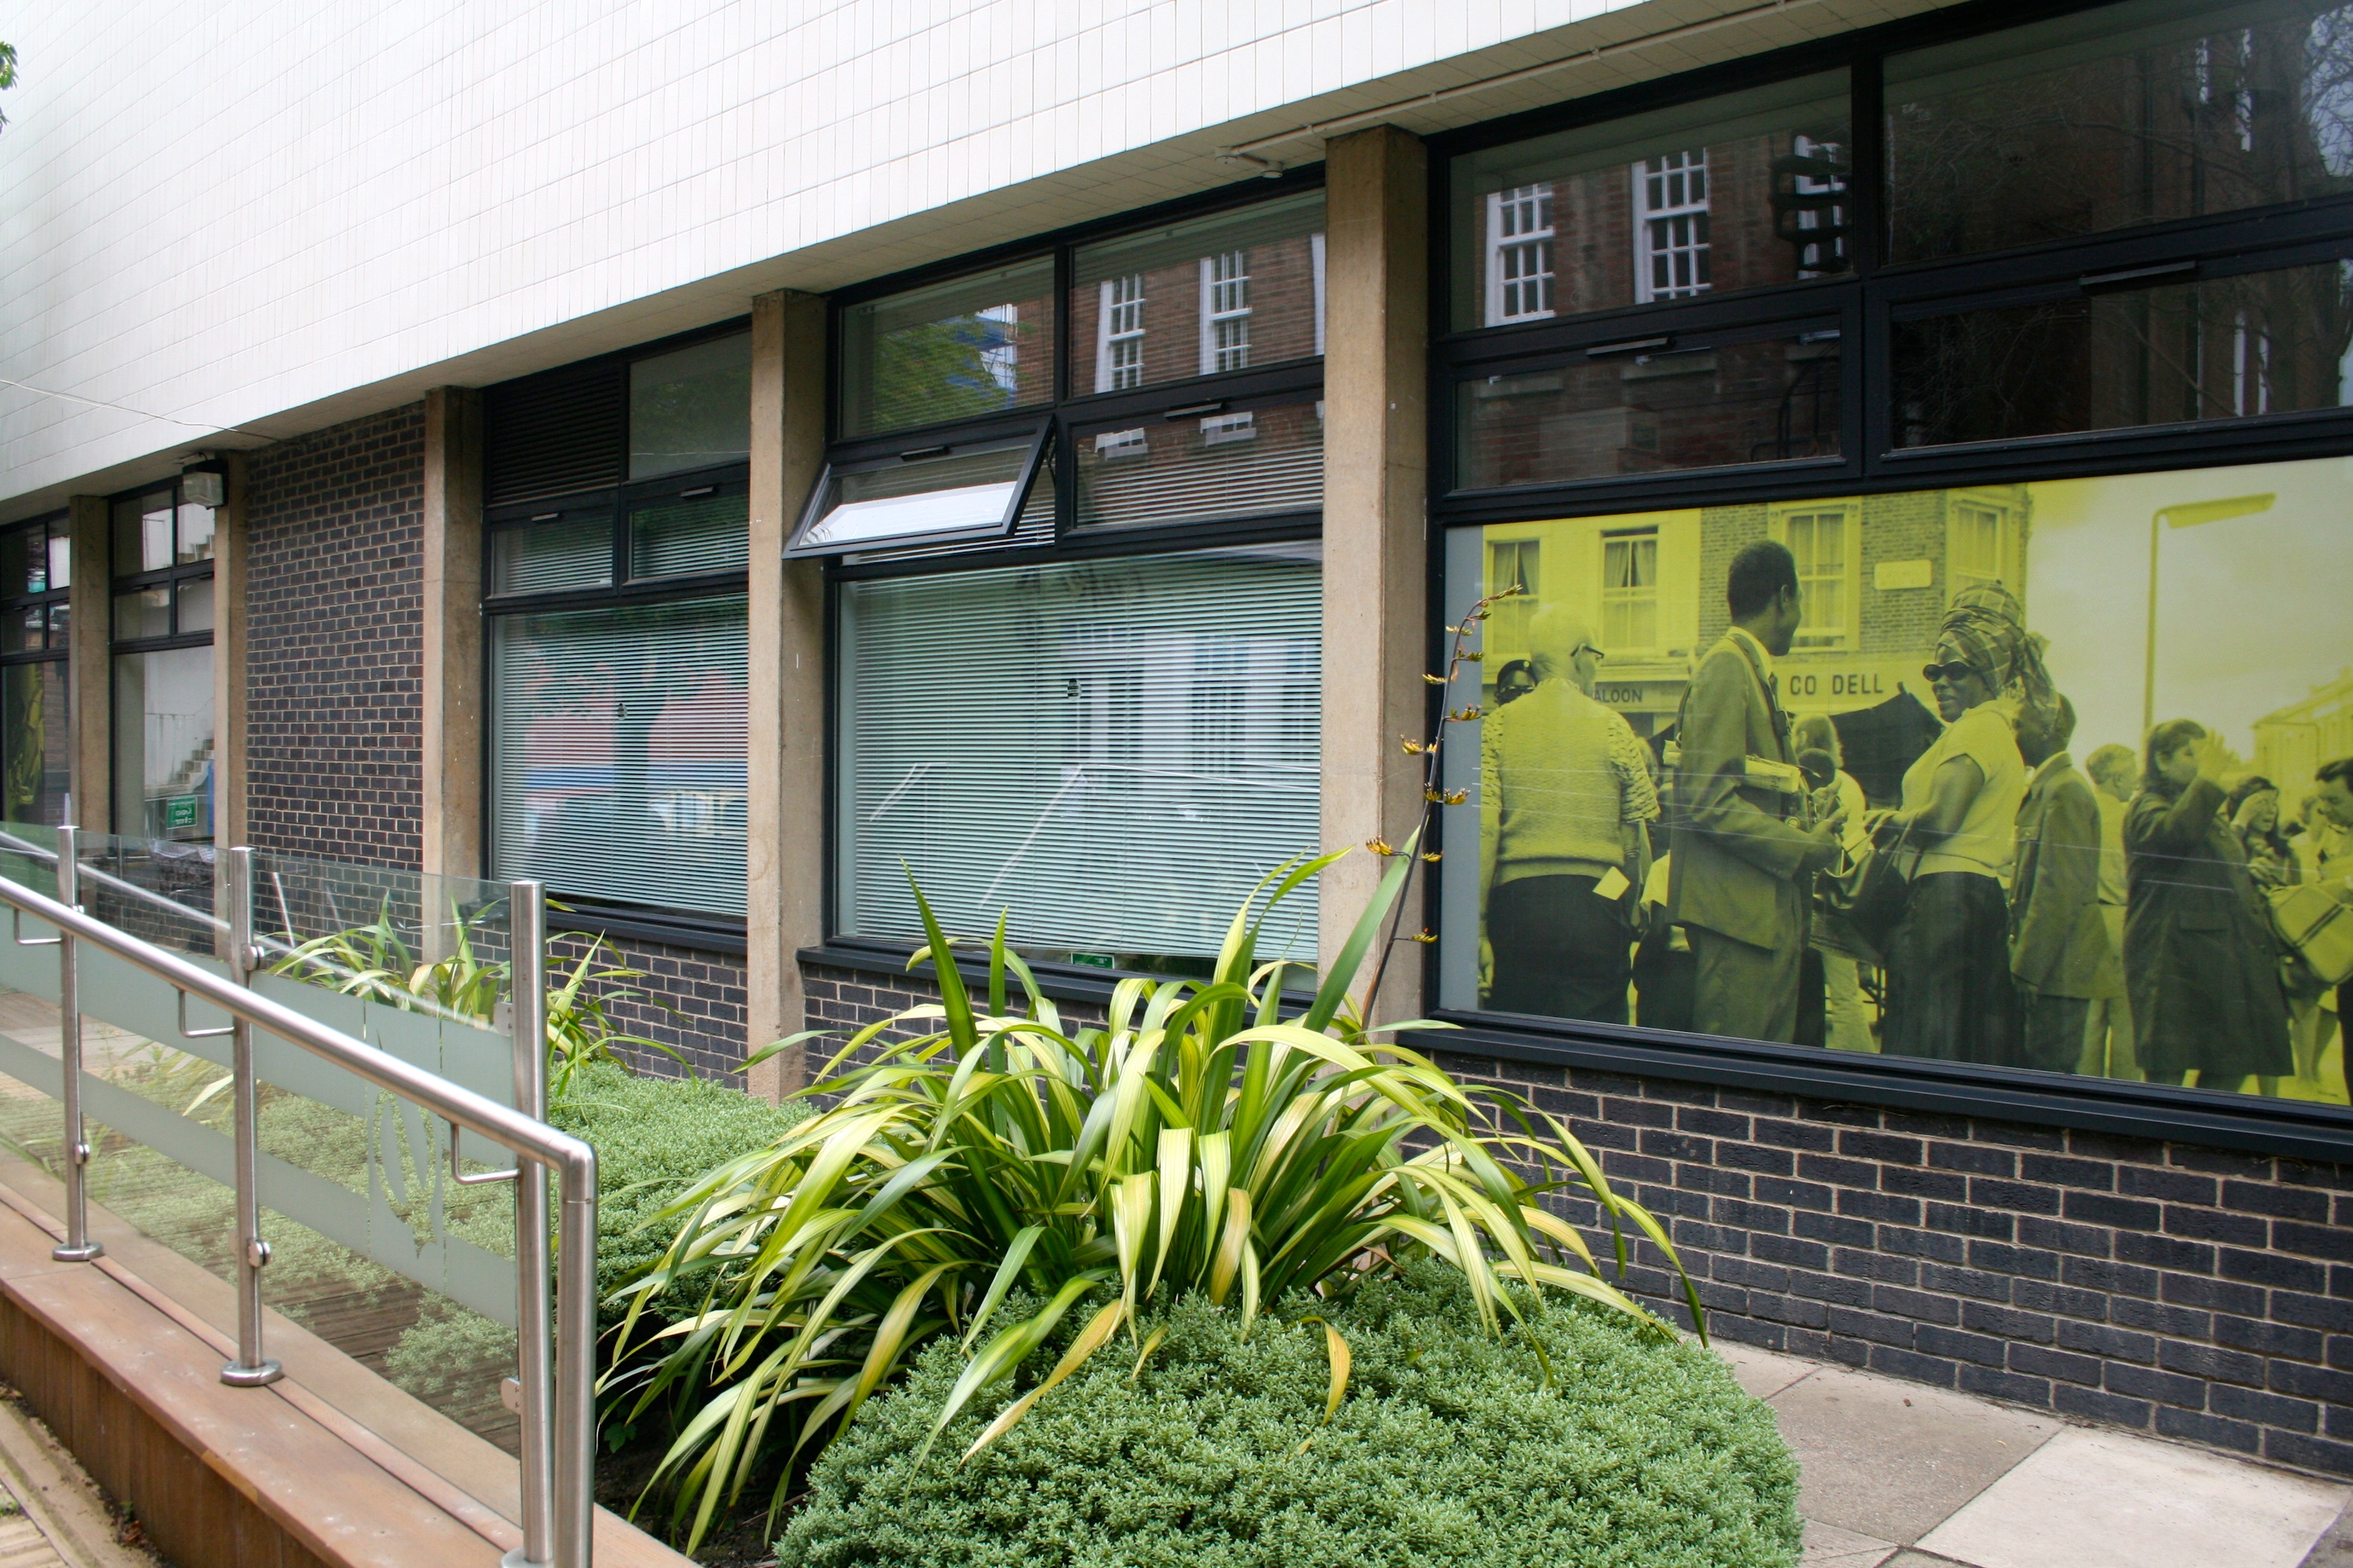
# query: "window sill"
702 933
2298 1129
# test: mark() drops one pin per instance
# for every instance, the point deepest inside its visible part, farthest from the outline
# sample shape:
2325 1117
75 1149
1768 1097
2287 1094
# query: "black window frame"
614 504
1069 412
54 647
1870 297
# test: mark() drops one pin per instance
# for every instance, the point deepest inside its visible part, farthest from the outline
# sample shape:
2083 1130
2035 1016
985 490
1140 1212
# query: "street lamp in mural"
2189 514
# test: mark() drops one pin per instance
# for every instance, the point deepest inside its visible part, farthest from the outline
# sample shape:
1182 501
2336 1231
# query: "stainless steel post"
575 1370
77 1247
251 1369
527 948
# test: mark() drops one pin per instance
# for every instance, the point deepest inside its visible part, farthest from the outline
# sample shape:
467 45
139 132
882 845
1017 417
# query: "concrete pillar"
452 681
229 536
785 807
1376 545
90 674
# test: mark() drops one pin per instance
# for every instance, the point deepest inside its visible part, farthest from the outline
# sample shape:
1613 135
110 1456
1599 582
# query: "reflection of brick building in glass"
1670 224
1877 573
1169 313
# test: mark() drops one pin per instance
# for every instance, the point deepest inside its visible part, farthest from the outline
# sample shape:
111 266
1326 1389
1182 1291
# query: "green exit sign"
1095 960
180 811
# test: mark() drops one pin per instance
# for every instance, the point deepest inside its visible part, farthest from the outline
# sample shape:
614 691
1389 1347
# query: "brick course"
334 642
2200 1294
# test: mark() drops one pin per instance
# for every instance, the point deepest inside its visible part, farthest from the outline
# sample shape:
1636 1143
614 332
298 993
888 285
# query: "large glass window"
618 652
617 765
1103 724
2111 118
1733 194
1845 710
163 679
36 740
1111 752
2117 819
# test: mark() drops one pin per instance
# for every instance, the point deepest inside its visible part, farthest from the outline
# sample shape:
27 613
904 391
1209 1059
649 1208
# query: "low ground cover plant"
1576 1438
1216 1140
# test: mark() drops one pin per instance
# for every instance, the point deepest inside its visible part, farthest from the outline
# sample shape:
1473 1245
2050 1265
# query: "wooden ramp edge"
121 1358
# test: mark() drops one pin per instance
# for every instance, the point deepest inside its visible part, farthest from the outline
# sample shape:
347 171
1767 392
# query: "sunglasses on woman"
1951 674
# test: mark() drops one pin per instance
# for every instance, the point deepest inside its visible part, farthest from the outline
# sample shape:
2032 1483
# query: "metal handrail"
262 941
559 1455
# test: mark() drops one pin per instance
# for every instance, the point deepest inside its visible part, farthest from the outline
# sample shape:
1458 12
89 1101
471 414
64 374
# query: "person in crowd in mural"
2253 809
2332 867
2200 959
1513 681
2058 944
1847 1015
1745 846
1948 990
1564 787
2107 1024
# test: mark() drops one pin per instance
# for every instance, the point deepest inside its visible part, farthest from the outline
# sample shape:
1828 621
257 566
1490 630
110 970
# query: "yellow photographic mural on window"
2054 774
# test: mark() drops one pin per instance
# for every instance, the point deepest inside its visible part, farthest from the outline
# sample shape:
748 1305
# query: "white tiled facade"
272 214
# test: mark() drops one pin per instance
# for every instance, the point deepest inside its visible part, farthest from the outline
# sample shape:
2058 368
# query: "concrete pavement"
1899 1475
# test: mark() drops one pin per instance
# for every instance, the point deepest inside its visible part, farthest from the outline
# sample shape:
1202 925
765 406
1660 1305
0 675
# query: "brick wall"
690 1000
2202 1295
334 648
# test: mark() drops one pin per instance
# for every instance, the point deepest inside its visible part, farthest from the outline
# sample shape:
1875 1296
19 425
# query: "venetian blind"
618 753
1115 752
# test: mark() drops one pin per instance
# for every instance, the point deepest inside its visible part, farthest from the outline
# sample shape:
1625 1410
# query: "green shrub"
654 1136
1447 1448
1200 1142
441 1358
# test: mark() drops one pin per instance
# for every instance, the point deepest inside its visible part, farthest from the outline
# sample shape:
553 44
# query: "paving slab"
1763 1372
2110 1500
1892 1460
1828 1546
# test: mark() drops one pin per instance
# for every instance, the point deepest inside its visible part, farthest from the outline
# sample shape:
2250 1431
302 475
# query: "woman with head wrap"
1949 986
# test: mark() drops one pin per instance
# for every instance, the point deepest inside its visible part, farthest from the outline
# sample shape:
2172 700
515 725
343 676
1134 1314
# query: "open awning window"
971 491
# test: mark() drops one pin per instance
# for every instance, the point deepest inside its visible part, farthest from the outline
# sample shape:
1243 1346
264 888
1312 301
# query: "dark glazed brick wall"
2202 1295
335 648
690 1000
2197 1294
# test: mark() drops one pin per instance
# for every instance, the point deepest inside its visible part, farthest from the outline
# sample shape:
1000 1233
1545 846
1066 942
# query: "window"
617 655
1237 289
975 345
1112 753
2055 314
2077 361
1630 591
1981 545
36 740
1225 311
1519 254
1670 246
1739 191
966 491
1105 724
163 678
2109 118
1119 356
1824 542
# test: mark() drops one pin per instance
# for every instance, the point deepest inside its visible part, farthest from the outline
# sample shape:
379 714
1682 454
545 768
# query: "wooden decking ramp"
330 1468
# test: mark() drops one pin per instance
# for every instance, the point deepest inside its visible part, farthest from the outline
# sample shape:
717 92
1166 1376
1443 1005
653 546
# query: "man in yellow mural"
1744 855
